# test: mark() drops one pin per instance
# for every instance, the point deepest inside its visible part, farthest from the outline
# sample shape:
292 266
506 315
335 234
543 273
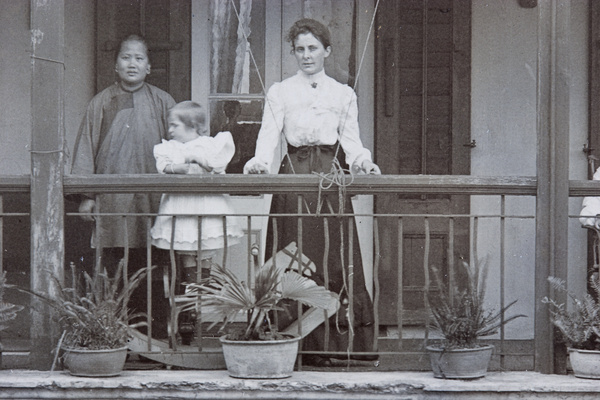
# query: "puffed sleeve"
270 130
220 152
349 131
162 156
590 207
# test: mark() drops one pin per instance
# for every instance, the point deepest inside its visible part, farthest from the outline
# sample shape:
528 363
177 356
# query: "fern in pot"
579 327
257 349
460 316
96 320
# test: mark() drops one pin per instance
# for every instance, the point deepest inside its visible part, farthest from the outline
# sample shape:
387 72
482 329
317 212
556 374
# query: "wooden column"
552 170
47 157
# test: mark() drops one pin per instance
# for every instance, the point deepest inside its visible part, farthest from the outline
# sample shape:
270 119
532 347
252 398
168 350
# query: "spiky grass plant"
580 326
95 316
8 311
224 293
459 313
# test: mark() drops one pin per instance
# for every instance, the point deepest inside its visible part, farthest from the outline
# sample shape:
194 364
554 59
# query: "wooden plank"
258 184
47 146
514 185
15 183
552 170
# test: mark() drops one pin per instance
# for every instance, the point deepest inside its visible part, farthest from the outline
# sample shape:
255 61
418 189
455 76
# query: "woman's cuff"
254 166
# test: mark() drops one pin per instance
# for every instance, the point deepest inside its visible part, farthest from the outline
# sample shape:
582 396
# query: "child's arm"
165 164
177 168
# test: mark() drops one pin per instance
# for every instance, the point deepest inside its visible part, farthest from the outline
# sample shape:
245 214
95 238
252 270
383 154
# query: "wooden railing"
273 184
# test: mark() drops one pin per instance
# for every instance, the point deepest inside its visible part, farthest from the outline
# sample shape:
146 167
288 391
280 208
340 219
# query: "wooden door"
422 127
165 24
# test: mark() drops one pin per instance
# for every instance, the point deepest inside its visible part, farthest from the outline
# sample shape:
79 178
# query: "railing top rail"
261 184
15 183
584 188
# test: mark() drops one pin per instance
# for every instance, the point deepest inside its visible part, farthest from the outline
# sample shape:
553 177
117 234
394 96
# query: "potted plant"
96 321
257 349
579 327
8 311
460 316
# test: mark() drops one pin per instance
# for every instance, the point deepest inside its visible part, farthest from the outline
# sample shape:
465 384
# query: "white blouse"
310 110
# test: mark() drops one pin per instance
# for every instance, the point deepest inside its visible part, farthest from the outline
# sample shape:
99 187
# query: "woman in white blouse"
318 118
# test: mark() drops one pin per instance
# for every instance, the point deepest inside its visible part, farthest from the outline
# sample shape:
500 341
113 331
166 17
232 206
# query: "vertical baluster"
400 278
376 283
451 262
224 220
173 311
126 252
474 221
326 280
97 238
197 338
249 271
299 261
426 251
502 244
199 251
149 281
350 283
273 254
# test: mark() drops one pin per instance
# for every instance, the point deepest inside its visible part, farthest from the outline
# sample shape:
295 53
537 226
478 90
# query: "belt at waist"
304 149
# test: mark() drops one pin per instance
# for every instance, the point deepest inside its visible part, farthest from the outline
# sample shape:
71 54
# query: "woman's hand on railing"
87 207
370 168
253 166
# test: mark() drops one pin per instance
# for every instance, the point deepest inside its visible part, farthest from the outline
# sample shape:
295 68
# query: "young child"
192 151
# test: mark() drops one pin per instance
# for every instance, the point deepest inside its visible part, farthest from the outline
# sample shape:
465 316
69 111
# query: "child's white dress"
217 151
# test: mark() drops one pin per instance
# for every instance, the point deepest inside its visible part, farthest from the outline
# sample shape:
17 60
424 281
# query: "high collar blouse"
310 110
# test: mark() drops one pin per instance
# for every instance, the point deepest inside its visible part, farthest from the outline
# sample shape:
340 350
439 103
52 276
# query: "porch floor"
174 384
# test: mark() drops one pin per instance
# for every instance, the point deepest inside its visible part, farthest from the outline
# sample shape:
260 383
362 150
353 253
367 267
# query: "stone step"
21 384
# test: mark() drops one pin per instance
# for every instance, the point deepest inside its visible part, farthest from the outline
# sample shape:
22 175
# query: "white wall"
15 87
15 77
503 123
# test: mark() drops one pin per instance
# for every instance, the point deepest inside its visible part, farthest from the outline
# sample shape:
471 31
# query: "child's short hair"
190 113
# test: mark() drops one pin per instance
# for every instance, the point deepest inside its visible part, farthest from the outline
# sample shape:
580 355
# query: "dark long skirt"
340 268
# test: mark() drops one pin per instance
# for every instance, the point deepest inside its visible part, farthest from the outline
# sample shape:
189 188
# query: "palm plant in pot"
579 327
96 320
459 314
257 349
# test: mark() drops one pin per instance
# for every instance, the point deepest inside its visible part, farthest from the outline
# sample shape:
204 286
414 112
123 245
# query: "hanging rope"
337 176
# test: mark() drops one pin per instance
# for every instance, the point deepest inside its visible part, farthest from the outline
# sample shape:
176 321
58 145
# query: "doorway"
422 114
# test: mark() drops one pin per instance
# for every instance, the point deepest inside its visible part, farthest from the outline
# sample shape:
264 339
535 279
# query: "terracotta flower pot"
260 359
460 363
585 363
95 363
